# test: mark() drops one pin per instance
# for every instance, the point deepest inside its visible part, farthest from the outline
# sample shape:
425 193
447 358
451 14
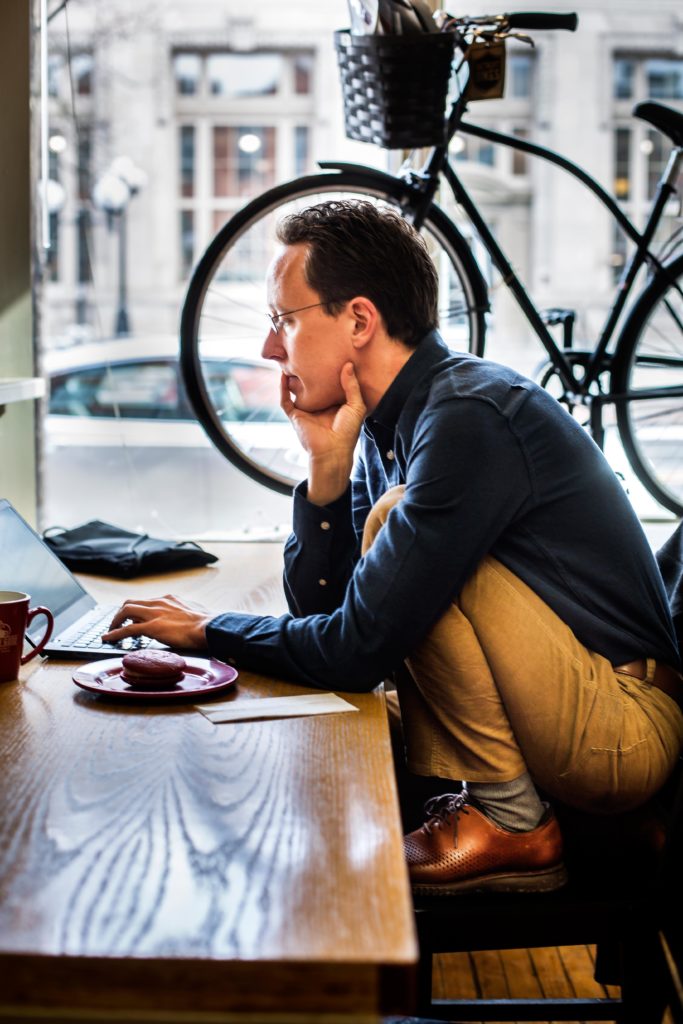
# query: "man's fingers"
131 629
286 403
139 610
351 387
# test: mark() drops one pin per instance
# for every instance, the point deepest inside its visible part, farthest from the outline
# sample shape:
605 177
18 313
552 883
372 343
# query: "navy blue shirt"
491 463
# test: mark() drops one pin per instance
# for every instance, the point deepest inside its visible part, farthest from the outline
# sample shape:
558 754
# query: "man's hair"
354 248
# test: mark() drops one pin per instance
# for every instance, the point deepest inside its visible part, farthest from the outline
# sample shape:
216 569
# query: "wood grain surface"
149 858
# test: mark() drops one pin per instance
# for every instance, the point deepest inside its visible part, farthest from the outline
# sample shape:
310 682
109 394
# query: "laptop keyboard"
86 634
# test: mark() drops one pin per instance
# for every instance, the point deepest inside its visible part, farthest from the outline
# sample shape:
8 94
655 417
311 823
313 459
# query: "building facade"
215 103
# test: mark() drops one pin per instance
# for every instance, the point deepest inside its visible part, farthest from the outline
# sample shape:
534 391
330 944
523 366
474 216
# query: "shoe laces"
443 810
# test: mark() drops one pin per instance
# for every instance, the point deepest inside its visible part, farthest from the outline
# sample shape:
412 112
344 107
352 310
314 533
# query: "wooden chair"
625 886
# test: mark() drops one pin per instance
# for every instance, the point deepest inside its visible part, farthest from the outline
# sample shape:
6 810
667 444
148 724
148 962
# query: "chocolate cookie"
152 670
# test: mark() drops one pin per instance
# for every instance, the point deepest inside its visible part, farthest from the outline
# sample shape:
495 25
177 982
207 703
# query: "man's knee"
378 514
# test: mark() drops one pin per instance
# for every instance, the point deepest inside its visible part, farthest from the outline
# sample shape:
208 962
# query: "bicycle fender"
367 172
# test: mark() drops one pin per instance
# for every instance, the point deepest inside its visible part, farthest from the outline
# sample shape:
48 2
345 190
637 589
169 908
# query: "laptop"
29 565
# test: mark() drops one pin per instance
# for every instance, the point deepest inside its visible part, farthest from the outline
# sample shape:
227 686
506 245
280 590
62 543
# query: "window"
61 80
475 150
648 77
519 75
55 68
244 122
52 258
656 149
81 73
83 268
622 163
520 164
619 252
84 144
240 75
664 79
624 70
186 241
303 73
301 148
187 70
640 153
214 103
187 160
243 160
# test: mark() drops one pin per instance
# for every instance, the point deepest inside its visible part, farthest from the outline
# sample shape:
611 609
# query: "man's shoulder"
464 376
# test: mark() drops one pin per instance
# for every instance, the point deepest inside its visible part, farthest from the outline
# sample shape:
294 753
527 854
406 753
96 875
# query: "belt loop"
650 668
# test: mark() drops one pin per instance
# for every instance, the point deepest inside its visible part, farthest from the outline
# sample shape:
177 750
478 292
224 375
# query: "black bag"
110 551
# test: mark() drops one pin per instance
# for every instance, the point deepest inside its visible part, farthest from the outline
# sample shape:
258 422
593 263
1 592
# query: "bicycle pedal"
557 316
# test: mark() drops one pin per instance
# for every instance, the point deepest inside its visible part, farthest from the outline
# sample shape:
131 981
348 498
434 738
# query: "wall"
17 425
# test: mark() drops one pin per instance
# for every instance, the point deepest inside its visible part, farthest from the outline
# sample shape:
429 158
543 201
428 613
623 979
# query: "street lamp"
112 193
53 196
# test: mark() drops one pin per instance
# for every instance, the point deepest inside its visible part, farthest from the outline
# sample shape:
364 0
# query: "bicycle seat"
666 120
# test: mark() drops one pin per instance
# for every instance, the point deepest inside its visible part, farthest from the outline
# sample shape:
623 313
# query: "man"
481 539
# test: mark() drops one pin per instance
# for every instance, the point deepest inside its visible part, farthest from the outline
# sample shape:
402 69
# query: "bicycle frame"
437 164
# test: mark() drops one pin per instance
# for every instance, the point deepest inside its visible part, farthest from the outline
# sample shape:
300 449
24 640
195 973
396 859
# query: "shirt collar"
429 351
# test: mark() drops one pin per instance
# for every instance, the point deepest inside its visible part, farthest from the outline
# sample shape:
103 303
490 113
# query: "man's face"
310 347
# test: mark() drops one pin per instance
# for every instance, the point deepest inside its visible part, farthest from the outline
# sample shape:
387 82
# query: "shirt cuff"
307 517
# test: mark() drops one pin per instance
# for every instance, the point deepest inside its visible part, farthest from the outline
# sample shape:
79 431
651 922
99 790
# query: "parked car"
122 442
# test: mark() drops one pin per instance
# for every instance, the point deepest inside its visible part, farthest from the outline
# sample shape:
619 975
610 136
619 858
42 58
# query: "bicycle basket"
395 87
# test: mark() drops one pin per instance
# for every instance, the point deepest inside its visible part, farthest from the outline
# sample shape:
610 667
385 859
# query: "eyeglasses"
275 317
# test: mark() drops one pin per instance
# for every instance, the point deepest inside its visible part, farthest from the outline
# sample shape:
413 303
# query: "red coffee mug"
15 616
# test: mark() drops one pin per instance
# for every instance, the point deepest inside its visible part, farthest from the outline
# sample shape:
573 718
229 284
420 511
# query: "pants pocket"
611 766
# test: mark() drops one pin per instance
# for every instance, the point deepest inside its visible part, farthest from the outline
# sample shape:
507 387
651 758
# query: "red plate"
203 677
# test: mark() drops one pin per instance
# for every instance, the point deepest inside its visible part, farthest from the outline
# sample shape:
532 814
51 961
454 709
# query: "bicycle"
636 366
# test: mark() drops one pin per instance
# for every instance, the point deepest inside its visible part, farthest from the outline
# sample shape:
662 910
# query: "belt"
665 678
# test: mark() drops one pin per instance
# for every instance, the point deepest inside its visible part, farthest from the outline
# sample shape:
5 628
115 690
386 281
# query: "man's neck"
380 369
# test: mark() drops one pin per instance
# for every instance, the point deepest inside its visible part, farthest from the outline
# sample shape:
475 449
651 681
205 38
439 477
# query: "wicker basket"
395 87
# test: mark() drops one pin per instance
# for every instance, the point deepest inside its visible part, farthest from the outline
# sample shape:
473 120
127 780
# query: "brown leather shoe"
459 849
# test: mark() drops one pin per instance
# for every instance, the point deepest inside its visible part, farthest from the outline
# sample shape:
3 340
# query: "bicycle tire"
648 372
234 246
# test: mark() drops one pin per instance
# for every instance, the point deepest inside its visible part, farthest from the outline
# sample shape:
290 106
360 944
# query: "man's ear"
366 320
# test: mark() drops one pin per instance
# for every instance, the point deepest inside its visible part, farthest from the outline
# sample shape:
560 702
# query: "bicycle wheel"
648 372
234 393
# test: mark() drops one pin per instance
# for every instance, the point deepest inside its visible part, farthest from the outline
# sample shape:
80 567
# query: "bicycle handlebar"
539 20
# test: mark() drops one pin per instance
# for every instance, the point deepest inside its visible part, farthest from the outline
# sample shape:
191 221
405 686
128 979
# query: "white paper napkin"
275 707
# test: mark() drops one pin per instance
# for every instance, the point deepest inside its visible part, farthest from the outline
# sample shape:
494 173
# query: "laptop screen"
27 564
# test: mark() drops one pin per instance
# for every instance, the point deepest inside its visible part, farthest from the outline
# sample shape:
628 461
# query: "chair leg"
643 989
424 981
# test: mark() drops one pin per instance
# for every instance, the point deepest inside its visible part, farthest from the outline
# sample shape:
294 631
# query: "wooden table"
154 866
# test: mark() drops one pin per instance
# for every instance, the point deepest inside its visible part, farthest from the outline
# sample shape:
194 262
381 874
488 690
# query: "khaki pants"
501 685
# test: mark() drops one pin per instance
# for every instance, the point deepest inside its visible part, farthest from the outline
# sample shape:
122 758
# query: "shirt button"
324 525
390 454
322 583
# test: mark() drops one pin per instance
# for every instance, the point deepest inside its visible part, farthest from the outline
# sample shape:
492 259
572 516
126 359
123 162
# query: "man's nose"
271 346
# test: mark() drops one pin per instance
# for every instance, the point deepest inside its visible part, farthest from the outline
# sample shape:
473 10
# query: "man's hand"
329 437
166 619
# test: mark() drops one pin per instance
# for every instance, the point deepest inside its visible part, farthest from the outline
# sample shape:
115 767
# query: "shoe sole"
527 881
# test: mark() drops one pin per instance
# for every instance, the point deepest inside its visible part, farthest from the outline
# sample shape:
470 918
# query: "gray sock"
512 805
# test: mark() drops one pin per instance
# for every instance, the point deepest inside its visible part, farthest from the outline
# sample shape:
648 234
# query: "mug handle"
48 630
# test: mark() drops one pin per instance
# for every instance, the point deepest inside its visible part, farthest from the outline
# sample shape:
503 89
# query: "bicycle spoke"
230 322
